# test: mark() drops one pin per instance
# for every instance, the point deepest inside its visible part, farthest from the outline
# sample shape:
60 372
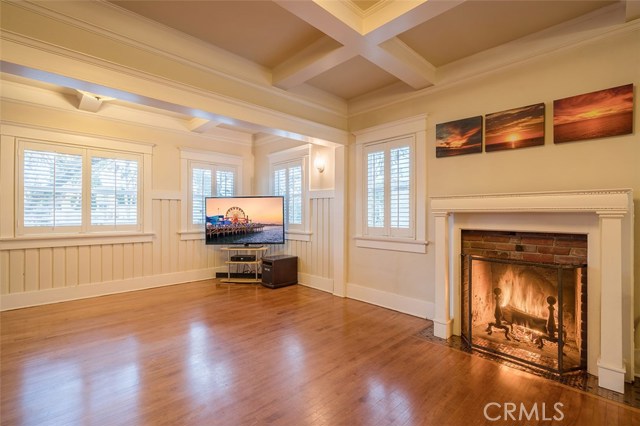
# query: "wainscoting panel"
31 276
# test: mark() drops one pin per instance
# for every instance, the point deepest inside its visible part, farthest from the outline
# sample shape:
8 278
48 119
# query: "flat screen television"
246 221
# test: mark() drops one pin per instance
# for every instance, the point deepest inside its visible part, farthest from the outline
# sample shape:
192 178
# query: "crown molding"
596 26
17 93
123 26
179 49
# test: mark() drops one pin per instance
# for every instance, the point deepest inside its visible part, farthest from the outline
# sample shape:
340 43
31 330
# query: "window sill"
393 244
68 240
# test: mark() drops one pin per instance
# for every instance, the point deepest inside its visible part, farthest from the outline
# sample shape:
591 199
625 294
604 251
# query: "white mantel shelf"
613 201
605 216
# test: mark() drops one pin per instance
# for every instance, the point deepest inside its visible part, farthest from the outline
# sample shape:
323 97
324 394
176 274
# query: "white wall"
36 272
609 61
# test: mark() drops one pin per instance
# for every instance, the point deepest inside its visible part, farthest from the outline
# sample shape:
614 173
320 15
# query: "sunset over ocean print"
515 128
593 115
459 137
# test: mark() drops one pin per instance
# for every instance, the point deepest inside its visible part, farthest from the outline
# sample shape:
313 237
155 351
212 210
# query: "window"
391 185
208 180
114 192
388 169
289 179
71 189
205 174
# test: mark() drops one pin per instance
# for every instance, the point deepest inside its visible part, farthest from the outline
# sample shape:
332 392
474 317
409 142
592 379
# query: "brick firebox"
529 247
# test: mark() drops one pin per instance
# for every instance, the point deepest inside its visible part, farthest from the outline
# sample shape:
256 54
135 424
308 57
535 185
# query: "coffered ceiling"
281 66
351 48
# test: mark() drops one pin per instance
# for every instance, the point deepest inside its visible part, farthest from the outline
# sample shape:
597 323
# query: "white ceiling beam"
310 62
372 37
201 125
400 60
403 16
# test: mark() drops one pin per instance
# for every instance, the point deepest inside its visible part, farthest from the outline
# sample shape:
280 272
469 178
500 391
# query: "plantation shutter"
400 187
389 188
52 187
201 184
114 192
376 189
225 183
295 195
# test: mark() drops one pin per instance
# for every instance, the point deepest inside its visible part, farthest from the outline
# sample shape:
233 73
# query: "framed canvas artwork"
600 114
515 128
459 137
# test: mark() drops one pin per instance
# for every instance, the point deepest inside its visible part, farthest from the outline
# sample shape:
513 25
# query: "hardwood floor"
206 353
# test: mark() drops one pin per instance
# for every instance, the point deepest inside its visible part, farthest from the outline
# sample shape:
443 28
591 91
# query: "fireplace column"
611 368
442 323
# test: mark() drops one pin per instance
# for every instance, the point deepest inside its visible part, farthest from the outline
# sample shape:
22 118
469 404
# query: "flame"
523 294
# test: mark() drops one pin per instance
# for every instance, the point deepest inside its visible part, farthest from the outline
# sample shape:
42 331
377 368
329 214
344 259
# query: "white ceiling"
346 52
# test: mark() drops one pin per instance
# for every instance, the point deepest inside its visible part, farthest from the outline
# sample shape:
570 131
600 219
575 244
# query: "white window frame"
112 155
213 161
298 156
410 131
13 234
387 230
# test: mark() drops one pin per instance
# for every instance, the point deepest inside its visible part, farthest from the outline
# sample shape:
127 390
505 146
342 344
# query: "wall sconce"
319 164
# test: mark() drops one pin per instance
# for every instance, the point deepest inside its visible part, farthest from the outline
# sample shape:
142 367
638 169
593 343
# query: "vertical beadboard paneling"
31 269
16 271
138 260
59 266
107 262
84 265
46 268
164 236
127 261
117 262
147 259
4 272
96 264
71 266
174 238
157 241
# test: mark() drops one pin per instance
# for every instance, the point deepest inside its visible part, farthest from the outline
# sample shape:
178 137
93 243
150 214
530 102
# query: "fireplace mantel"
606 216
612 201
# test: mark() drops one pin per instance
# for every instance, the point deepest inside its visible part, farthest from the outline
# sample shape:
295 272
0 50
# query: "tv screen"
244 220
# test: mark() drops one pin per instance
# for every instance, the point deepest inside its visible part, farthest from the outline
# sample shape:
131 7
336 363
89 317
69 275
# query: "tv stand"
257 251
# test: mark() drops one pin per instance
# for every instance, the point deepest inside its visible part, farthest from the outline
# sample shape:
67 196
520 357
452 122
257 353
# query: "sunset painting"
459 137
594 115
515 128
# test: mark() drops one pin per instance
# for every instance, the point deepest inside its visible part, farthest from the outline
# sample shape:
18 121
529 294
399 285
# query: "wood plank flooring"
206 353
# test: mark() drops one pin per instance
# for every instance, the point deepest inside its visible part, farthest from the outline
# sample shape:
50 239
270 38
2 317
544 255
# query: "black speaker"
279 270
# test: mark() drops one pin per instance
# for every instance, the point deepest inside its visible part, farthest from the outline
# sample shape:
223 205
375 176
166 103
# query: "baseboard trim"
314 281
397 302
64 294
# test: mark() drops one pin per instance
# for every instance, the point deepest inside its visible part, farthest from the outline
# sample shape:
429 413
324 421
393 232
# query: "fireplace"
533 313
604 216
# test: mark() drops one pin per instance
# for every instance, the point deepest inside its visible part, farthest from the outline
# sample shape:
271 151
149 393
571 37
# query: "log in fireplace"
531 312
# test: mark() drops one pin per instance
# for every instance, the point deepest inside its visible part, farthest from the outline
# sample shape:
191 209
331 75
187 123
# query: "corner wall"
609 61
